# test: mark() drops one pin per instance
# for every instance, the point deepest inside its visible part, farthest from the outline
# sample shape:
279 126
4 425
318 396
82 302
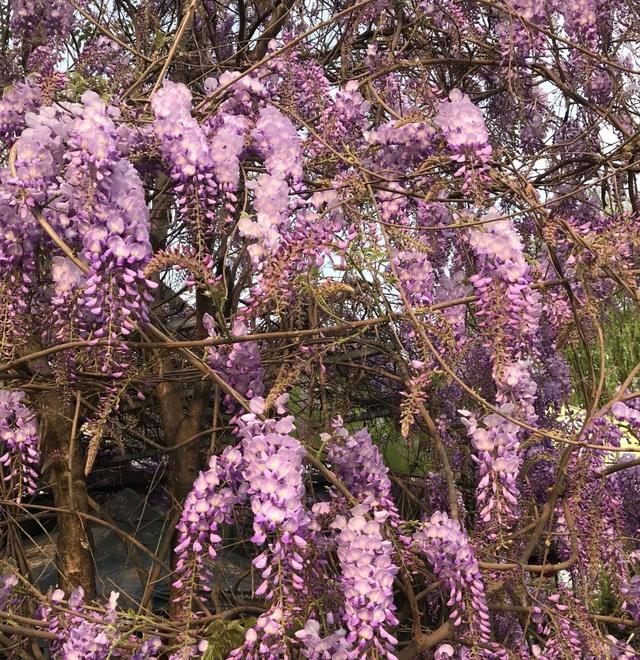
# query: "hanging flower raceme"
367 574
447 547
402 143
415 275
271 199
496 443
228 129
368 608
517 387
583 18
67 163
89 637
190 648
36 158
114 228
342 121
570 633
8 583
597 505
238 363
186 148
508 307
20 441
273 471
84 633
210 504
228 133
509 310
309 241
517 39
630 591
627 483
360 465
301 80
15 103
463 127
102 56
277 142
333 646
51 19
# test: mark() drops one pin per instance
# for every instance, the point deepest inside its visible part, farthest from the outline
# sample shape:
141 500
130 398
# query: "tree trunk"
65 473
184 463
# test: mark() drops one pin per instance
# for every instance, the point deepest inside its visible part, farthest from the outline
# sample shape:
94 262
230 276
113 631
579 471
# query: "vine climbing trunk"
65 474
183 463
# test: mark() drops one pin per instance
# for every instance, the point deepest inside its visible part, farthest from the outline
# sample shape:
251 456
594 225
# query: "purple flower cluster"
343 120
416 276
15 103
271 200
229 129
68 159
85 633
244 90
462 125
239 364
598 508
392 203
227 135
509 309
52 19
403 143
40 151
118 249
18 261
20 441
303 82
581 18
414 394
8 583
182 140
306 244
186 148
516 386
497 446
555 384
570 633
189 648
210 503
626 413
273 472
333 646
347 113
115 235
630 591
448 549
360 465
367 575
451 287
517 39
103 56
277 142
627 482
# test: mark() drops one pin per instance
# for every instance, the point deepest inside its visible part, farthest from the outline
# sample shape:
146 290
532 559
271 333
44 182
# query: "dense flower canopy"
348 291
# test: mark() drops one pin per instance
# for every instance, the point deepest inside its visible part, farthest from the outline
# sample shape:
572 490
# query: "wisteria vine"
344 297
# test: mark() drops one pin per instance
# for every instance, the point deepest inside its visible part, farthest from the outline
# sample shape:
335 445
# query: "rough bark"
64 471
